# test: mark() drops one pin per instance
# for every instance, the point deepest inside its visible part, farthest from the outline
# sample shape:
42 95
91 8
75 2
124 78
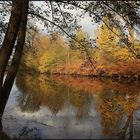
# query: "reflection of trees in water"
116 102
38 90
81 101
30 97
29 102
116 106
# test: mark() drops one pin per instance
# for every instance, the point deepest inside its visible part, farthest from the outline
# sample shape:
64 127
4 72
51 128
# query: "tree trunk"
10 37
8 83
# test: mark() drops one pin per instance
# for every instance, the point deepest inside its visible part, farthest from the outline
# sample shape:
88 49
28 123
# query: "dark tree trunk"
10 37
11 74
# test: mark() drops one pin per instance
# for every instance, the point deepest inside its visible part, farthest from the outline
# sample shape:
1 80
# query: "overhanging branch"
70 36
62 15
126 20
127 44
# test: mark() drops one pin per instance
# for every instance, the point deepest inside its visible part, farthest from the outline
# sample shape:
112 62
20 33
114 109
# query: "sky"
87 25
85 22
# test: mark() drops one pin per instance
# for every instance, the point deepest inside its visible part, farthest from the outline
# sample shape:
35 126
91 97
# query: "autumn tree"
112 53
56 54
110 45
82 37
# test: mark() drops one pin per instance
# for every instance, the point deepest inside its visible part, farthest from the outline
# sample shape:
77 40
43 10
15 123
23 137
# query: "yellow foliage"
110 49
52 54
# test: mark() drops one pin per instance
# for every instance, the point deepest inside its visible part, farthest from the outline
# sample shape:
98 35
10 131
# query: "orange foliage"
52 54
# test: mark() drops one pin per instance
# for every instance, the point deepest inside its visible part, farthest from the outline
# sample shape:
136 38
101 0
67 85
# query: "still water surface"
68 107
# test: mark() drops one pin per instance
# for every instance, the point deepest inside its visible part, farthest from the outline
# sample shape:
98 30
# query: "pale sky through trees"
85 22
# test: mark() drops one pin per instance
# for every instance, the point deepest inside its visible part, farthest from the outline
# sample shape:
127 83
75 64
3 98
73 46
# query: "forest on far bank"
109 58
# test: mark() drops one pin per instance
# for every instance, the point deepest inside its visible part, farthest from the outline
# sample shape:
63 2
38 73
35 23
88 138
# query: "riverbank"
120 71
119 78
127 78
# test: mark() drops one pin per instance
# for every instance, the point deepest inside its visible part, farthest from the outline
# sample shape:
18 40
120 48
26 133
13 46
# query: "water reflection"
78 107
116 110
40 90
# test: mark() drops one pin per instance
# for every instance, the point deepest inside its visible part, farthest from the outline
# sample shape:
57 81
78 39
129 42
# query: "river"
62 107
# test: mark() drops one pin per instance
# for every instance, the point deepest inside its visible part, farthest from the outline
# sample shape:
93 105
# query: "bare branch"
107 5
62 15
85 49
127 44
52 12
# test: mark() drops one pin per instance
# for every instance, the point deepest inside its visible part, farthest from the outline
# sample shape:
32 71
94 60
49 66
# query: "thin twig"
87 10
62 15
86 50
